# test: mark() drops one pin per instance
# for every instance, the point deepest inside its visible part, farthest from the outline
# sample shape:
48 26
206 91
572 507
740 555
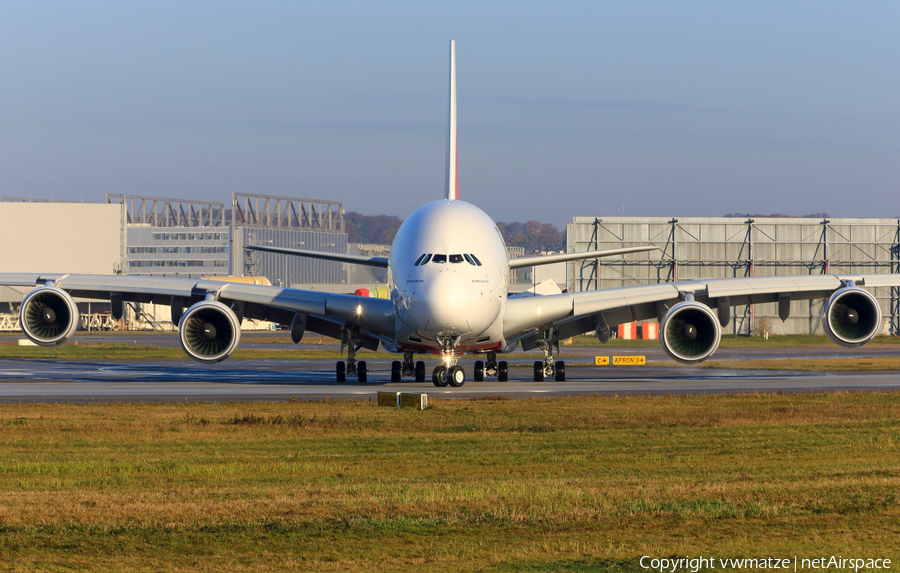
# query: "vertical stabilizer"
452 189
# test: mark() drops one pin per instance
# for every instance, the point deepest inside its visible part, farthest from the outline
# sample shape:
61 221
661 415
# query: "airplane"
448 277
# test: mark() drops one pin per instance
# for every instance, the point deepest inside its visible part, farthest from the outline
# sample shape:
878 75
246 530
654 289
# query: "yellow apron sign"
601 360
629 360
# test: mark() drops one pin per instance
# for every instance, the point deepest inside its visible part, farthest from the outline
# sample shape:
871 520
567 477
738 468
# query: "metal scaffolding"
274 212
167 212
708 248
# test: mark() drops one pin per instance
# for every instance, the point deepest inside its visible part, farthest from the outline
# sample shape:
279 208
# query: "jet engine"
851 317
209 331
690 332
48 316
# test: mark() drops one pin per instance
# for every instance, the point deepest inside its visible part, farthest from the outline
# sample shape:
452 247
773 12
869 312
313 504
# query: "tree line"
531 235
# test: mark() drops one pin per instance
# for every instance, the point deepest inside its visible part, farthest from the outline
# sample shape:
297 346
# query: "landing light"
539 309
358 309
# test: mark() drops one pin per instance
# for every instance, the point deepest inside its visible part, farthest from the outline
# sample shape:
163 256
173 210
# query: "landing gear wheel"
457 376
502 371
420 371
361 371
478 376
395 371
439 376
341 371
560 371
538 371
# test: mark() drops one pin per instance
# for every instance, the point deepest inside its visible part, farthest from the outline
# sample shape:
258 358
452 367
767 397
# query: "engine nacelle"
690 332
851 317
209 331
48 316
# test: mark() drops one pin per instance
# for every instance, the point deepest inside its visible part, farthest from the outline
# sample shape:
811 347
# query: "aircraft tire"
341 371
502 371
420 371
456 376
361 373
439 376
538 371
395 371
478 375
560 371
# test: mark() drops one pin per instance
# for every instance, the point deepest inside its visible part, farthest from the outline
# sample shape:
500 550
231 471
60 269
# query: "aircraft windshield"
440 259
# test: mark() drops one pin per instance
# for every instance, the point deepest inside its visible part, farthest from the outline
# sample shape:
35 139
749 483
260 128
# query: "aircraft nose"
450 303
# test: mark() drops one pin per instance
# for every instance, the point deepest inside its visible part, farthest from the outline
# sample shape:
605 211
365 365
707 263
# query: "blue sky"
566 108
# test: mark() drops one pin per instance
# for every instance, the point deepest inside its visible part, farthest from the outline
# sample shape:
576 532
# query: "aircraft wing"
520 262
326 312
338 257
577 313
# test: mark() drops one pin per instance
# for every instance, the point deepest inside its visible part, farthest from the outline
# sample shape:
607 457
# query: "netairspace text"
695 564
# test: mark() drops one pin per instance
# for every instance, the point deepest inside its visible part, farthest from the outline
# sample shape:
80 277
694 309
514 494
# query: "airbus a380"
448 275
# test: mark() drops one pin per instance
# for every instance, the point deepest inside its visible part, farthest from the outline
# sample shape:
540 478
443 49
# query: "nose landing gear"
454 376
449 372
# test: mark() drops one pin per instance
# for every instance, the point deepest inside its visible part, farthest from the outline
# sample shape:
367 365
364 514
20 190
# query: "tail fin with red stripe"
452 189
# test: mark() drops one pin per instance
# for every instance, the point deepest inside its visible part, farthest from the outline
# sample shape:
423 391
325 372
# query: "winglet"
452 189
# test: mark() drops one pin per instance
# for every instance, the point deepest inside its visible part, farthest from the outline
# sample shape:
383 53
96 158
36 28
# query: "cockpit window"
419 260
456 258
426 259
439 259
477 262
469 260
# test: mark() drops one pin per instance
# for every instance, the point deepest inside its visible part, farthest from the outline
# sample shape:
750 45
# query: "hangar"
725 247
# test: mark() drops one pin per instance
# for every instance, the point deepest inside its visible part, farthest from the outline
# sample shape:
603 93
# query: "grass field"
587 484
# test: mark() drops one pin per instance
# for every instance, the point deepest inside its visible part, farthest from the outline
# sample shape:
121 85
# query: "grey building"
57 237
723 247
289 222
175 237
178 251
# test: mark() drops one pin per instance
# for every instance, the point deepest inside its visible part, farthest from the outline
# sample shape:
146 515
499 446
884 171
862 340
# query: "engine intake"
48 316
690 332
209 331
851 317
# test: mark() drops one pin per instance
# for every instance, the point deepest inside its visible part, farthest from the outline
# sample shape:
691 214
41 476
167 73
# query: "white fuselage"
459 286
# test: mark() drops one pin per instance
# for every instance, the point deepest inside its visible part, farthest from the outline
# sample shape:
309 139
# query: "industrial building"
725 247
157 236
45 236
184 238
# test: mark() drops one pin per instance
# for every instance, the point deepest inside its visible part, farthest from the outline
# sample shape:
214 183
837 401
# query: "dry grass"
573 484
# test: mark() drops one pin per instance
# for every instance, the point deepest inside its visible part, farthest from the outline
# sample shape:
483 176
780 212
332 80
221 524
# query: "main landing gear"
491 368
448 373
351 340
547 368
407 368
